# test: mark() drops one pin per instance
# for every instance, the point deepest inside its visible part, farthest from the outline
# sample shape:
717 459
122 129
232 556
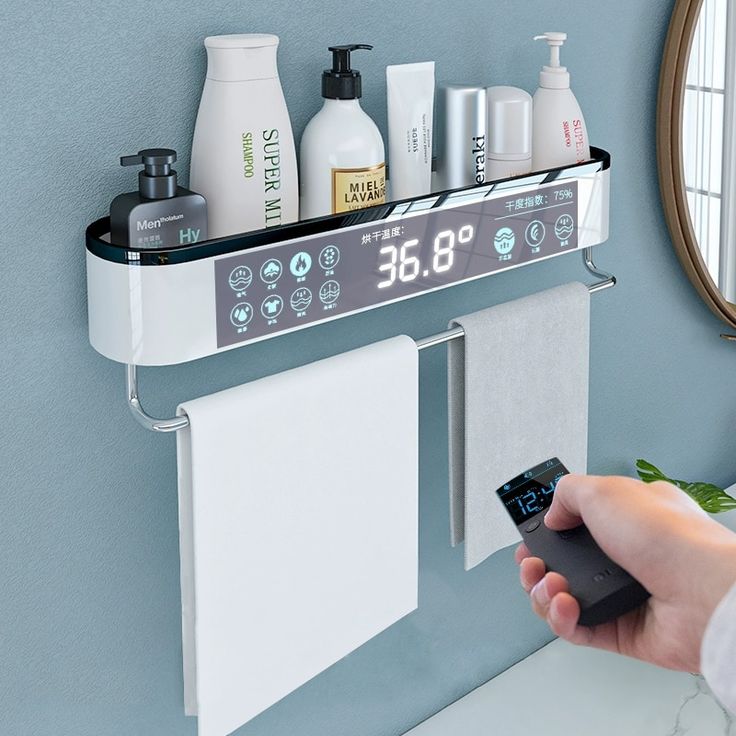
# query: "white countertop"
563 690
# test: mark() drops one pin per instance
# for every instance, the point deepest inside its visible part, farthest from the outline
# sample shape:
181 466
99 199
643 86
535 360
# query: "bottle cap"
554 76
509 123
241 57
158 179
342 82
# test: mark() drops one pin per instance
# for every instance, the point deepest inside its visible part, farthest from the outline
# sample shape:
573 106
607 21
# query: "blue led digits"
531 492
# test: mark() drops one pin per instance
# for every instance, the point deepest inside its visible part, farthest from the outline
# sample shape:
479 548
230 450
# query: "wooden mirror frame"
670 106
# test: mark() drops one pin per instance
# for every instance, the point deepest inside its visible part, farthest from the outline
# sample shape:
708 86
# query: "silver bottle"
463 121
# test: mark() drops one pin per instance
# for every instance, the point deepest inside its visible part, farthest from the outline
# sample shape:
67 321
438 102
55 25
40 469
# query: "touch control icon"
564 228
329 292
300 264
272 307
240 278
300 300
534 234
329 257
271 271
504 243
241 314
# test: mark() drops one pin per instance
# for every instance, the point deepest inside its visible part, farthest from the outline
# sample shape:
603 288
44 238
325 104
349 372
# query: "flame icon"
300 264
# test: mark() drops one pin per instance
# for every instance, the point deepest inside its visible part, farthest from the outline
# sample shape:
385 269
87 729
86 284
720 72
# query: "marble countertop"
563 690
579 692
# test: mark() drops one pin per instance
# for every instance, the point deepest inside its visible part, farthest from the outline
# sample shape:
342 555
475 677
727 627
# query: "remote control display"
531 492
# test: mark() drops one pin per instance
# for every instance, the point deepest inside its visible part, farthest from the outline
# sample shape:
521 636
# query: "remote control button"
568 533
533 526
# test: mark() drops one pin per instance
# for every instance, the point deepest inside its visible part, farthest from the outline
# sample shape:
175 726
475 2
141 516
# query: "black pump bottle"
160 214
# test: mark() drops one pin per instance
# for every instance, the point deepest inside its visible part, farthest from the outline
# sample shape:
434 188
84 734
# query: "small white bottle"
560 137
243 153
509 138
341 156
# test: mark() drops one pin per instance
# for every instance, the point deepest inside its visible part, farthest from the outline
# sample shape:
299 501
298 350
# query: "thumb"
568 501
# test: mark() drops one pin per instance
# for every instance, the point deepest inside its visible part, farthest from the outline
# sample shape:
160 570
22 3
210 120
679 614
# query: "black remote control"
604 590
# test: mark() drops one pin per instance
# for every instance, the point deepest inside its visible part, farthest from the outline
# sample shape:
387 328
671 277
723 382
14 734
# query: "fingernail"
540 594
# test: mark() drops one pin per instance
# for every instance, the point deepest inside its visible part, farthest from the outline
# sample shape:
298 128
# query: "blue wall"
89 590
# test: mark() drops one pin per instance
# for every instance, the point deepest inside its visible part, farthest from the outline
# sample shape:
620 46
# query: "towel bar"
606 281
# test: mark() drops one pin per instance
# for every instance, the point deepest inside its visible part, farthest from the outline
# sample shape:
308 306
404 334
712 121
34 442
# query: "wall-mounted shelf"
161 307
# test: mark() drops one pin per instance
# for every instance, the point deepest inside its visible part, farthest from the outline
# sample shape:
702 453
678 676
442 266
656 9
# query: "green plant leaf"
709 497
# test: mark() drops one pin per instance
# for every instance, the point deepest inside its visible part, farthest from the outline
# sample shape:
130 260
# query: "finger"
545 590
567 501
521 553
563 617
531 572
564 613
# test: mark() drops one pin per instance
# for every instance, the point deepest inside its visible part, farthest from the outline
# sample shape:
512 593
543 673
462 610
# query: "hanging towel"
298 522
518 395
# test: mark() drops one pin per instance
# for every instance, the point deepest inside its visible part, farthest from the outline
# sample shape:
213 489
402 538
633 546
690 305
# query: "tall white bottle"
342 157
559 136
243 154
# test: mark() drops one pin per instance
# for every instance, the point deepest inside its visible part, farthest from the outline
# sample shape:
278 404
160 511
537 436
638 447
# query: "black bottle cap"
158 179
341 82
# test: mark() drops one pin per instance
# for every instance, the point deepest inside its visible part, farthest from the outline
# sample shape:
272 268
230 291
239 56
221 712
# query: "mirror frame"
670 106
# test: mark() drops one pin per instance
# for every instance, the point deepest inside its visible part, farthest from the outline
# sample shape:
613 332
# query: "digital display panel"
531 492
276 288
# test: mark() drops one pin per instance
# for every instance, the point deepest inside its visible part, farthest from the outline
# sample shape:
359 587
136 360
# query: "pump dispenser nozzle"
158 179
554 76
342 82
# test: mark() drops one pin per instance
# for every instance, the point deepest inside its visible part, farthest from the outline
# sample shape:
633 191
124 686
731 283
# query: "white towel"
298 521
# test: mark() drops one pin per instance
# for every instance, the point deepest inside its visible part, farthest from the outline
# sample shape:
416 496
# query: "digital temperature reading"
531 492
446 240
402 261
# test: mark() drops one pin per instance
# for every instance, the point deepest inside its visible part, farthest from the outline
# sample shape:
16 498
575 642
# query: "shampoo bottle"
560 137
342 158
243 155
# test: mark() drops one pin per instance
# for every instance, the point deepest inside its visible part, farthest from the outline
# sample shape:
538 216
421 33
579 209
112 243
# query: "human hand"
660 536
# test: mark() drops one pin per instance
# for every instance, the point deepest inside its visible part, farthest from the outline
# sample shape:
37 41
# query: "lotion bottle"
243 154
560 137
342 157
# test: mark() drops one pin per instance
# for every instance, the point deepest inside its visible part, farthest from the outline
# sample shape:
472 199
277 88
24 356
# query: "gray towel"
518 395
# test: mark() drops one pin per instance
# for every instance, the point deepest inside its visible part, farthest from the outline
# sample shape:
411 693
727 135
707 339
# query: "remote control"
604 590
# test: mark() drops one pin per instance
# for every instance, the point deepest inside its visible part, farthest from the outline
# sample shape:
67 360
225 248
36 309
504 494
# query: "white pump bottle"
560 137
343 162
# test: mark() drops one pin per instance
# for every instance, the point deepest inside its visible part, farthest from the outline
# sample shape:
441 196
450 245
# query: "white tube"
410 109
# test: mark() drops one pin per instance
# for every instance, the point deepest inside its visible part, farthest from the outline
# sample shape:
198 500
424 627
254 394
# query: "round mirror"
696 147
